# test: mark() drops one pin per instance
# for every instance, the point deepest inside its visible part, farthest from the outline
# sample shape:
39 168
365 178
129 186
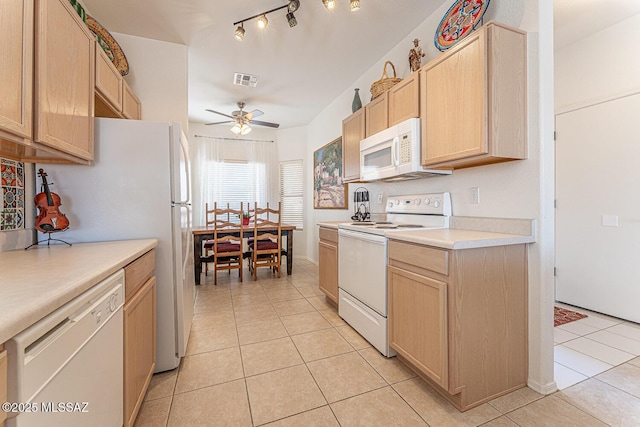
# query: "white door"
598 212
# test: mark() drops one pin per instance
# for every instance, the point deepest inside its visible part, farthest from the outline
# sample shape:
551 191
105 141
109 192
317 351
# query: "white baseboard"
542 388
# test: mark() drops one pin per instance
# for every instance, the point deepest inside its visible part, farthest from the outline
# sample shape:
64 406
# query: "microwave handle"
396 151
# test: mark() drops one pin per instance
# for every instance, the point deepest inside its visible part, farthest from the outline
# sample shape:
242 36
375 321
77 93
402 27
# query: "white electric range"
362 263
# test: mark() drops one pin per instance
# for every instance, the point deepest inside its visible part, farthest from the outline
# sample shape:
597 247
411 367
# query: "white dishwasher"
66 370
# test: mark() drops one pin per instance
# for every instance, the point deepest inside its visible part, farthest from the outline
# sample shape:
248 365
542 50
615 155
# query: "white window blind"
243 182
291 192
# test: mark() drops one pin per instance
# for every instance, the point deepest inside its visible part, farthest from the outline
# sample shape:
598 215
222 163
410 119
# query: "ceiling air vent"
245 80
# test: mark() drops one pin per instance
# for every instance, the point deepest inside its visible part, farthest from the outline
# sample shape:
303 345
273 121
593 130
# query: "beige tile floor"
273 352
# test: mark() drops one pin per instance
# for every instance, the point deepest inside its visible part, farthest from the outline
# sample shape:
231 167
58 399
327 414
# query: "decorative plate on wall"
461 19
109 45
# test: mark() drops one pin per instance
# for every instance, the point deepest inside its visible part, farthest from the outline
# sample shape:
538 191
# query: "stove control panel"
425 204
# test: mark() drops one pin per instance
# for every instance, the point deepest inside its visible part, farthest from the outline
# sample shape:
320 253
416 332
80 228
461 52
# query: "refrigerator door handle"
187 170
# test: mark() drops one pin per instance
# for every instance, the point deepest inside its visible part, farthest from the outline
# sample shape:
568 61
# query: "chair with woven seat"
224 250
266 247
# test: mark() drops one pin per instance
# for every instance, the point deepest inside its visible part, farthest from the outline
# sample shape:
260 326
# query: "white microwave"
394 154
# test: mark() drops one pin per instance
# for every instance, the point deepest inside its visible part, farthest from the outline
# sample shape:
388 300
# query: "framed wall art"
329 192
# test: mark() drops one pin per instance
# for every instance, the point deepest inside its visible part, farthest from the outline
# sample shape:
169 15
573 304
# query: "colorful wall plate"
459 21
109 45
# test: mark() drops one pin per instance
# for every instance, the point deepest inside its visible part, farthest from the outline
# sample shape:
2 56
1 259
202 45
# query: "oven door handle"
374 238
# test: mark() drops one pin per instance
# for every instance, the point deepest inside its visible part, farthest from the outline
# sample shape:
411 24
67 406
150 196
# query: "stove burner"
410 226
363 223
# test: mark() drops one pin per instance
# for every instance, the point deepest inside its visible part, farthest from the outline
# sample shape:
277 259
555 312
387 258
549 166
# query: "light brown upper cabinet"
131 108
46 105
404 100
352 133
16 69
376 115
108 86
114 97
473 100
64 80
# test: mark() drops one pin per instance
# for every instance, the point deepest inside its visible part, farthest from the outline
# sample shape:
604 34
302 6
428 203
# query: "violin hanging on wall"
49 219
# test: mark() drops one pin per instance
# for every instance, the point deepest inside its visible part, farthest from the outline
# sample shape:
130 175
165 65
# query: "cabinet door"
328 271
352 134
131 108
16 67
404 100
376 115
64 79
108 82
3 382
455 103
418 322
139 348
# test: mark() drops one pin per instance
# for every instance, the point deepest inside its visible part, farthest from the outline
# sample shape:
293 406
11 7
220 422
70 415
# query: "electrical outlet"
379 199
474 195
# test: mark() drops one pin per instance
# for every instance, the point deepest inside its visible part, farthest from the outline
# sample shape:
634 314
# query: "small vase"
245 221
357 103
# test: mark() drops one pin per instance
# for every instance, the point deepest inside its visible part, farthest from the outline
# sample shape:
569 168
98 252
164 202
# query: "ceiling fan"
242 120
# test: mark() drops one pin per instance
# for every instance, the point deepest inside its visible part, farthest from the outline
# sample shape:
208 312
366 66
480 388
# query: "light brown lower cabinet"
139 334
328 263
3 382
459 318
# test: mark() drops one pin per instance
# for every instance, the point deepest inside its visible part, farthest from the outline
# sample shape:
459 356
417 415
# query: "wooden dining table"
202 234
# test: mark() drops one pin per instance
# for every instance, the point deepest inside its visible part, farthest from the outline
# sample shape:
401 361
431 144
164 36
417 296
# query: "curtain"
232 171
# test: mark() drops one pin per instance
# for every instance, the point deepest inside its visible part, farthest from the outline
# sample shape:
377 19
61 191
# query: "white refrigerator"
139 187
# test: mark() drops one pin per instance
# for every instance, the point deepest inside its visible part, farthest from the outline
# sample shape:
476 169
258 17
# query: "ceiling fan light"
293 5
329 4
263 21
291 19
239 34
245 129
355 5
236 128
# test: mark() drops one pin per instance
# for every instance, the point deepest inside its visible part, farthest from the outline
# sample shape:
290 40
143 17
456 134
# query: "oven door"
362 268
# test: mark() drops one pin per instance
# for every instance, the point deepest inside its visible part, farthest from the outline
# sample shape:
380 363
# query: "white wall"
520 189
599 67
158 76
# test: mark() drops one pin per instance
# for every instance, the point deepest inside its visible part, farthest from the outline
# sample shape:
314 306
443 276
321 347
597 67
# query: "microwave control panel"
405 148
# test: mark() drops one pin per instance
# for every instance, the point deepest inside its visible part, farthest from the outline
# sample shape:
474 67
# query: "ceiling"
301 69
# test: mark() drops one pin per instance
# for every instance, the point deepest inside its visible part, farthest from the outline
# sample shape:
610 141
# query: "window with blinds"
243 182
291 192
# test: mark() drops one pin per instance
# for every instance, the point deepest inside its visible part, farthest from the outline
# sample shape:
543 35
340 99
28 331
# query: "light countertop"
35 282
450 238
333 224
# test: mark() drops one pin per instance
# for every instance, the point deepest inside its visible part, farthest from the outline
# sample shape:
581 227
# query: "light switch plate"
609 220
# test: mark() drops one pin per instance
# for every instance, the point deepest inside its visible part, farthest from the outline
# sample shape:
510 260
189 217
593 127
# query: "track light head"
329 4
291 20
239 34
355 5
263 21
293 5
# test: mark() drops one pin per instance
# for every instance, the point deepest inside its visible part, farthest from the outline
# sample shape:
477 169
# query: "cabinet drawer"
329 234
420 256
137 273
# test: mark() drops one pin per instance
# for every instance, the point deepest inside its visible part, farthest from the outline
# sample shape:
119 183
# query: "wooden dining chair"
224 250
266 247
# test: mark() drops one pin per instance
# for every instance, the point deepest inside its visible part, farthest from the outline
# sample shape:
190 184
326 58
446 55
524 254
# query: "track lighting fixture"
329 4
291 6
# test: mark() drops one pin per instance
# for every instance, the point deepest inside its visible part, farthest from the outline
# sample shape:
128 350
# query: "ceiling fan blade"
217 112
217 123
252 114
259 123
